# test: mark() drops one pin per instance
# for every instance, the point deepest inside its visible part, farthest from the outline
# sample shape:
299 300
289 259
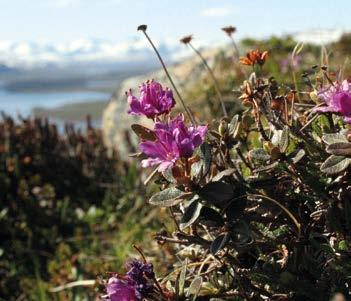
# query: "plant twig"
143 29
215 82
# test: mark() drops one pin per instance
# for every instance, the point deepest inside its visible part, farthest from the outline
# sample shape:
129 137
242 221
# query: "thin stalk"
295 84
169 77
235 47
219 95
292 109
286 210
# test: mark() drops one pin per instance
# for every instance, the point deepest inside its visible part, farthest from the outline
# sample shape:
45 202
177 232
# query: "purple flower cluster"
174 140
121 290
337 99
153 100
293 63
135 285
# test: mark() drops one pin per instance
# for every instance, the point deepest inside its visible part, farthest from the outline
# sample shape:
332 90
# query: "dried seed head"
142 27
229 30
187 39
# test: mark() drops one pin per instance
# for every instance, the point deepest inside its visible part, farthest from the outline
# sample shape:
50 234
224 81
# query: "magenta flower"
337 99
153 101
174 140
121 290
135 285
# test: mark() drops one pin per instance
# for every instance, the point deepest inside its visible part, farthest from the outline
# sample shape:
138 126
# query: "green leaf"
219 243
284 139
335 164
195 287
339 149
334 138
216 192
191 213
168 197
143 132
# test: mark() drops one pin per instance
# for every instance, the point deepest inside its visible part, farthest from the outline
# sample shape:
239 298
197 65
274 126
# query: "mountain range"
28 55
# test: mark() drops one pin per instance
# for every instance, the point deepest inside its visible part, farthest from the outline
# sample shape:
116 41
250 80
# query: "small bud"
142 27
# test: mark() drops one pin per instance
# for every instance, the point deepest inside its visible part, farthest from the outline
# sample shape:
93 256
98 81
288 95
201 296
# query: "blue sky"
116 20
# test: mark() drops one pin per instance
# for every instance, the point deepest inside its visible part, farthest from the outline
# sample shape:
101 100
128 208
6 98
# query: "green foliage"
264 212
68 210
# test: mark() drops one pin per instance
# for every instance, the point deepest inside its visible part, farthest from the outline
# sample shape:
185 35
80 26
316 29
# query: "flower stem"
169 77
219 95
237 53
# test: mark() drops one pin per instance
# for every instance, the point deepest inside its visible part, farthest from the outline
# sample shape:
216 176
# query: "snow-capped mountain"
319 36
31 54
28 55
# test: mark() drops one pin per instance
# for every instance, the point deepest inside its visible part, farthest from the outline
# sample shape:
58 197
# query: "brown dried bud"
187 39
229 30
142 27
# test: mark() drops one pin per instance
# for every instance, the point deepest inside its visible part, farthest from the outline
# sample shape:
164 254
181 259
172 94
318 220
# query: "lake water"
14 102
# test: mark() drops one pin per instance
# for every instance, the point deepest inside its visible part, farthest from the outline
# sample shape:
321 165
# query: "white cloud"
65 3
216 11
77 3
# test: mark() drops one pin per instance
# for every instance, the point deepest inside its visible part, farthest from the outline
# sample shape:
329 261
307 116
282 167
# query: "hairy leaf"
339 149
211 217
182 277
235 209
216 192
298 156
224 173
201 168
284 140
195 286
192 212
334 138
259 154
241 233
168 197
233 125
219 243
168 175
335 164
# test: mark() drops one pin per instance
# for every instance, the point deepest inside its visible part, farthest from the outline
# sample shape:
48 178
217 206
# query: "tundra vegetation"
238 191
